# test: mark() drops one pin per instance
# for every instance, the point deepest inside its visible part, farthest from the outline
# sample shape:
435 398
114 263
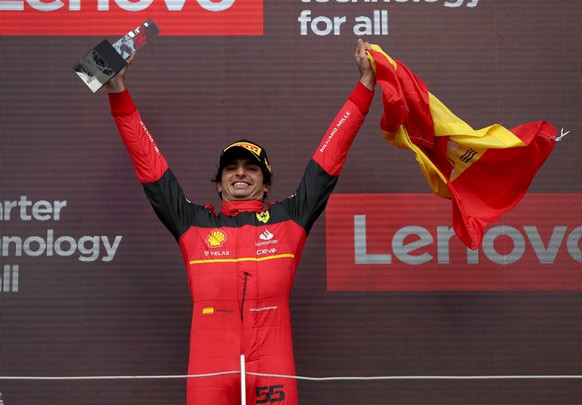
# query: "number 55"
274 393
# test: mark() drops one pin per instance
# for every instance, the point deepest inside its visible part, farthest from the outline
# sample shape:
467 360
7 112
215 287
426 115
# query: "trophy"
106 60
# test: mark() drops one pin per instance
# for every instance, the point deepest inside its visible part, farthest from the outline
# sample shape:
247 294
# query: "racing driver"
241 261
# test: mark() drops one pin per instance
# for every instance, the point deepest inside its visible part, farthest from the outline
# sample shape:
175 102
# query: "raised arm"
323 169
332 151
160 185
147 160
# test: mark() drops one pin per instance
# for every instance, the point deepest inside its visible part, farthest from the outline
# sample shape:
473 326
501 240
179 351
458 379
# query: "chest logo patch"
216 238
263 216
266 235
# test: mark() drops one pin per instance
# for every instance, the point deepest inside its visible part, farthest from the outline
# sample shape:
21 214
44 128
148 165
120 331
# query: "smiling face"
242 179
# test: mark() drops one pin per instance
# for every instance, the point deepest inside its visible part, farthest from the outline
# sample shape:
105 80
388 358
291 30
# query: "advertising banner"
404 242
93 285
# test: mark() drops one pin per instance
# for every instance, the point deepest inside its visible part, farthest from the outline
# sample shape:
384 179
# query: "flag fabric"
483 172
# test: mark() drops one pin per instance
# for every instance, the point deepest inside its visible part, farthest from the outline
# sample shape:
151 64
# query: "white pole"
243 384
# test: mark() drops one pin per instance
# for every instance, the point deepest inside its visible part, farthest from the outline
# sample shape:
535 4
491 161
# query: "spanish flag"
483 172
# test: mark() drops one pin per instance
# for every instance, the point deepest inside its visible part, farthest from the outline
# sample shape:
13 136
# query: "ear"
219 187
265 188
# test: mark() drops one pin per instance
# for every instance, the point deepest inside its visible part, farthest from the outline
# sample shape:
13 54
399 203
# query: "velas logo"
405 242
117 17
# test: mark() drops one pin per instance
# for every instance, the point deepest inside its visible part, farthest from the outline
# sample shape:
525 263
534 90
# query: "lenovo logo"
405 242
115 17
408 243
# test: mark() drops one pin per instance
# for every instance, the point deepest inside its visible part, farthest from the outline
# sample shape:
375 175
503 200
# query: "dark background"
504 61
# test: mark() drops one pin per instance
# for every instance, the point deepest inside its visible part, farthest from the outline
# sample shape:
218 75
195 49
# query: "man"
241 261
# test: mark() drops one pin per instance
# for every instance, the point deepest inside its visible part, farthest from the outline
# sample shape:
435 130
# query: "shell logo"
216 238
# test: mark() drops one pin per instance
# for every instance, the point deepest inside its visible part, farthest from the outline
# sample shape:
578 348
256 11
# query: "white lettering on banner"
11 5
361 246
109 17
320 25
88 248
412 253
363 25
446 3
41 210
104 5
378 25
213 5
9 279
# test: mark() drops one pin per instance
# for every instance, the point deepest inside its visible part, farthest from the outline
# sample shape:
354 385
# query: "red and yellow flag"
484 172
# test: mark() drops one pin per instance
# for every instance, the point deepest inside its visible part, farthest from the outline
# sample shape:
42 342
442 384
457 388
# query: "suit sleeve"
148 162
160 185
321 174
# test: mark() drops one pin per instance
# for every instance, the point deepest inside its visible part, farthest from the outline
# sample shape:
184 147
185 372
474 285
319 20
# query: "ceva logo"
116 17
405 242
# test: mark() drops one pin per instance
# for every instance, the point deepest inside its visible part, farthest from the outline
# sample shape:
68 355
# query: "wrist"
362 96
369 80
115 85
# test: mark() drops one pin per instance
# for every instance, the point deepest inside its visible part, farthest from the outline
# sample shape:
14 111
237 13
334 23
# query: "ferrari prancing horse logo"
263 216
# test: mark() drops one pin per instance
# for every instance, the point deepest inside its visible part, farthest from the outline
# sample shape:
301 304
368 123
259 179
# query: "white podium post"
243 383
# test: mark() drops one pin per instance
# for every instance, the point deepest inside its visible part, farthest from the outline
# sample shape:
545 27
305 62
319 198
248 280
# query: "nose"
240 171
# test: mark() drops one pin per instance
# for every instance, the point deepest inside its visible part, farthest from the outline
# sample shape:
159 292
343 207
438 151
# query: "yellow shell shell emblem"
216 238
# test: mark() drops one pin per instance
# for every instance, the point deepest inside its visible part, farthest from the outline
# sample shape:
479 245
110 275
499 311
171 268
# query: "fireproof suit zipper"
244 291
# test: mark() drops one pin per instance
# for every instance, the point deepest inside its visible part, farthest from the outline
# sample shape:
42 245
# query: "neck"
232 208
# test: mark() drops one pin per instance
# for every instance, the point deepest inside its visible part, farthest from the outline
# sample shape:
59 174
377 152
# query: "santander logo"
405 242
116 17
266 235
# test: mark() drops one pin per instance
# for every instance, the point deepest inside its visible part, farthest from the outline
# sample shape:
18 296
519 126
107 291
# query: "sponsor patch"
263 216
208 311
216 238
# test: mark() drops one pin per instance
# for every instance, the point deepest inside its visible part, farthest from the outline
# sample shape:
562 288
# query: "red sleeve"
147 159
333 149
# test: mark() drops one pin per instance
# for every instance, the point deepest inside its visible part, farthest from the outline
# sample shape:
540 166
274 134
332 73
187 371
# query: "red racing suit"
241 262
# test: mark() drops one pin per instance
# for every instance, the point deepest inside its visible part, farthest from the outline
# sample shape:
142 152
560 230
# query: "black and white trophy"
106 60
